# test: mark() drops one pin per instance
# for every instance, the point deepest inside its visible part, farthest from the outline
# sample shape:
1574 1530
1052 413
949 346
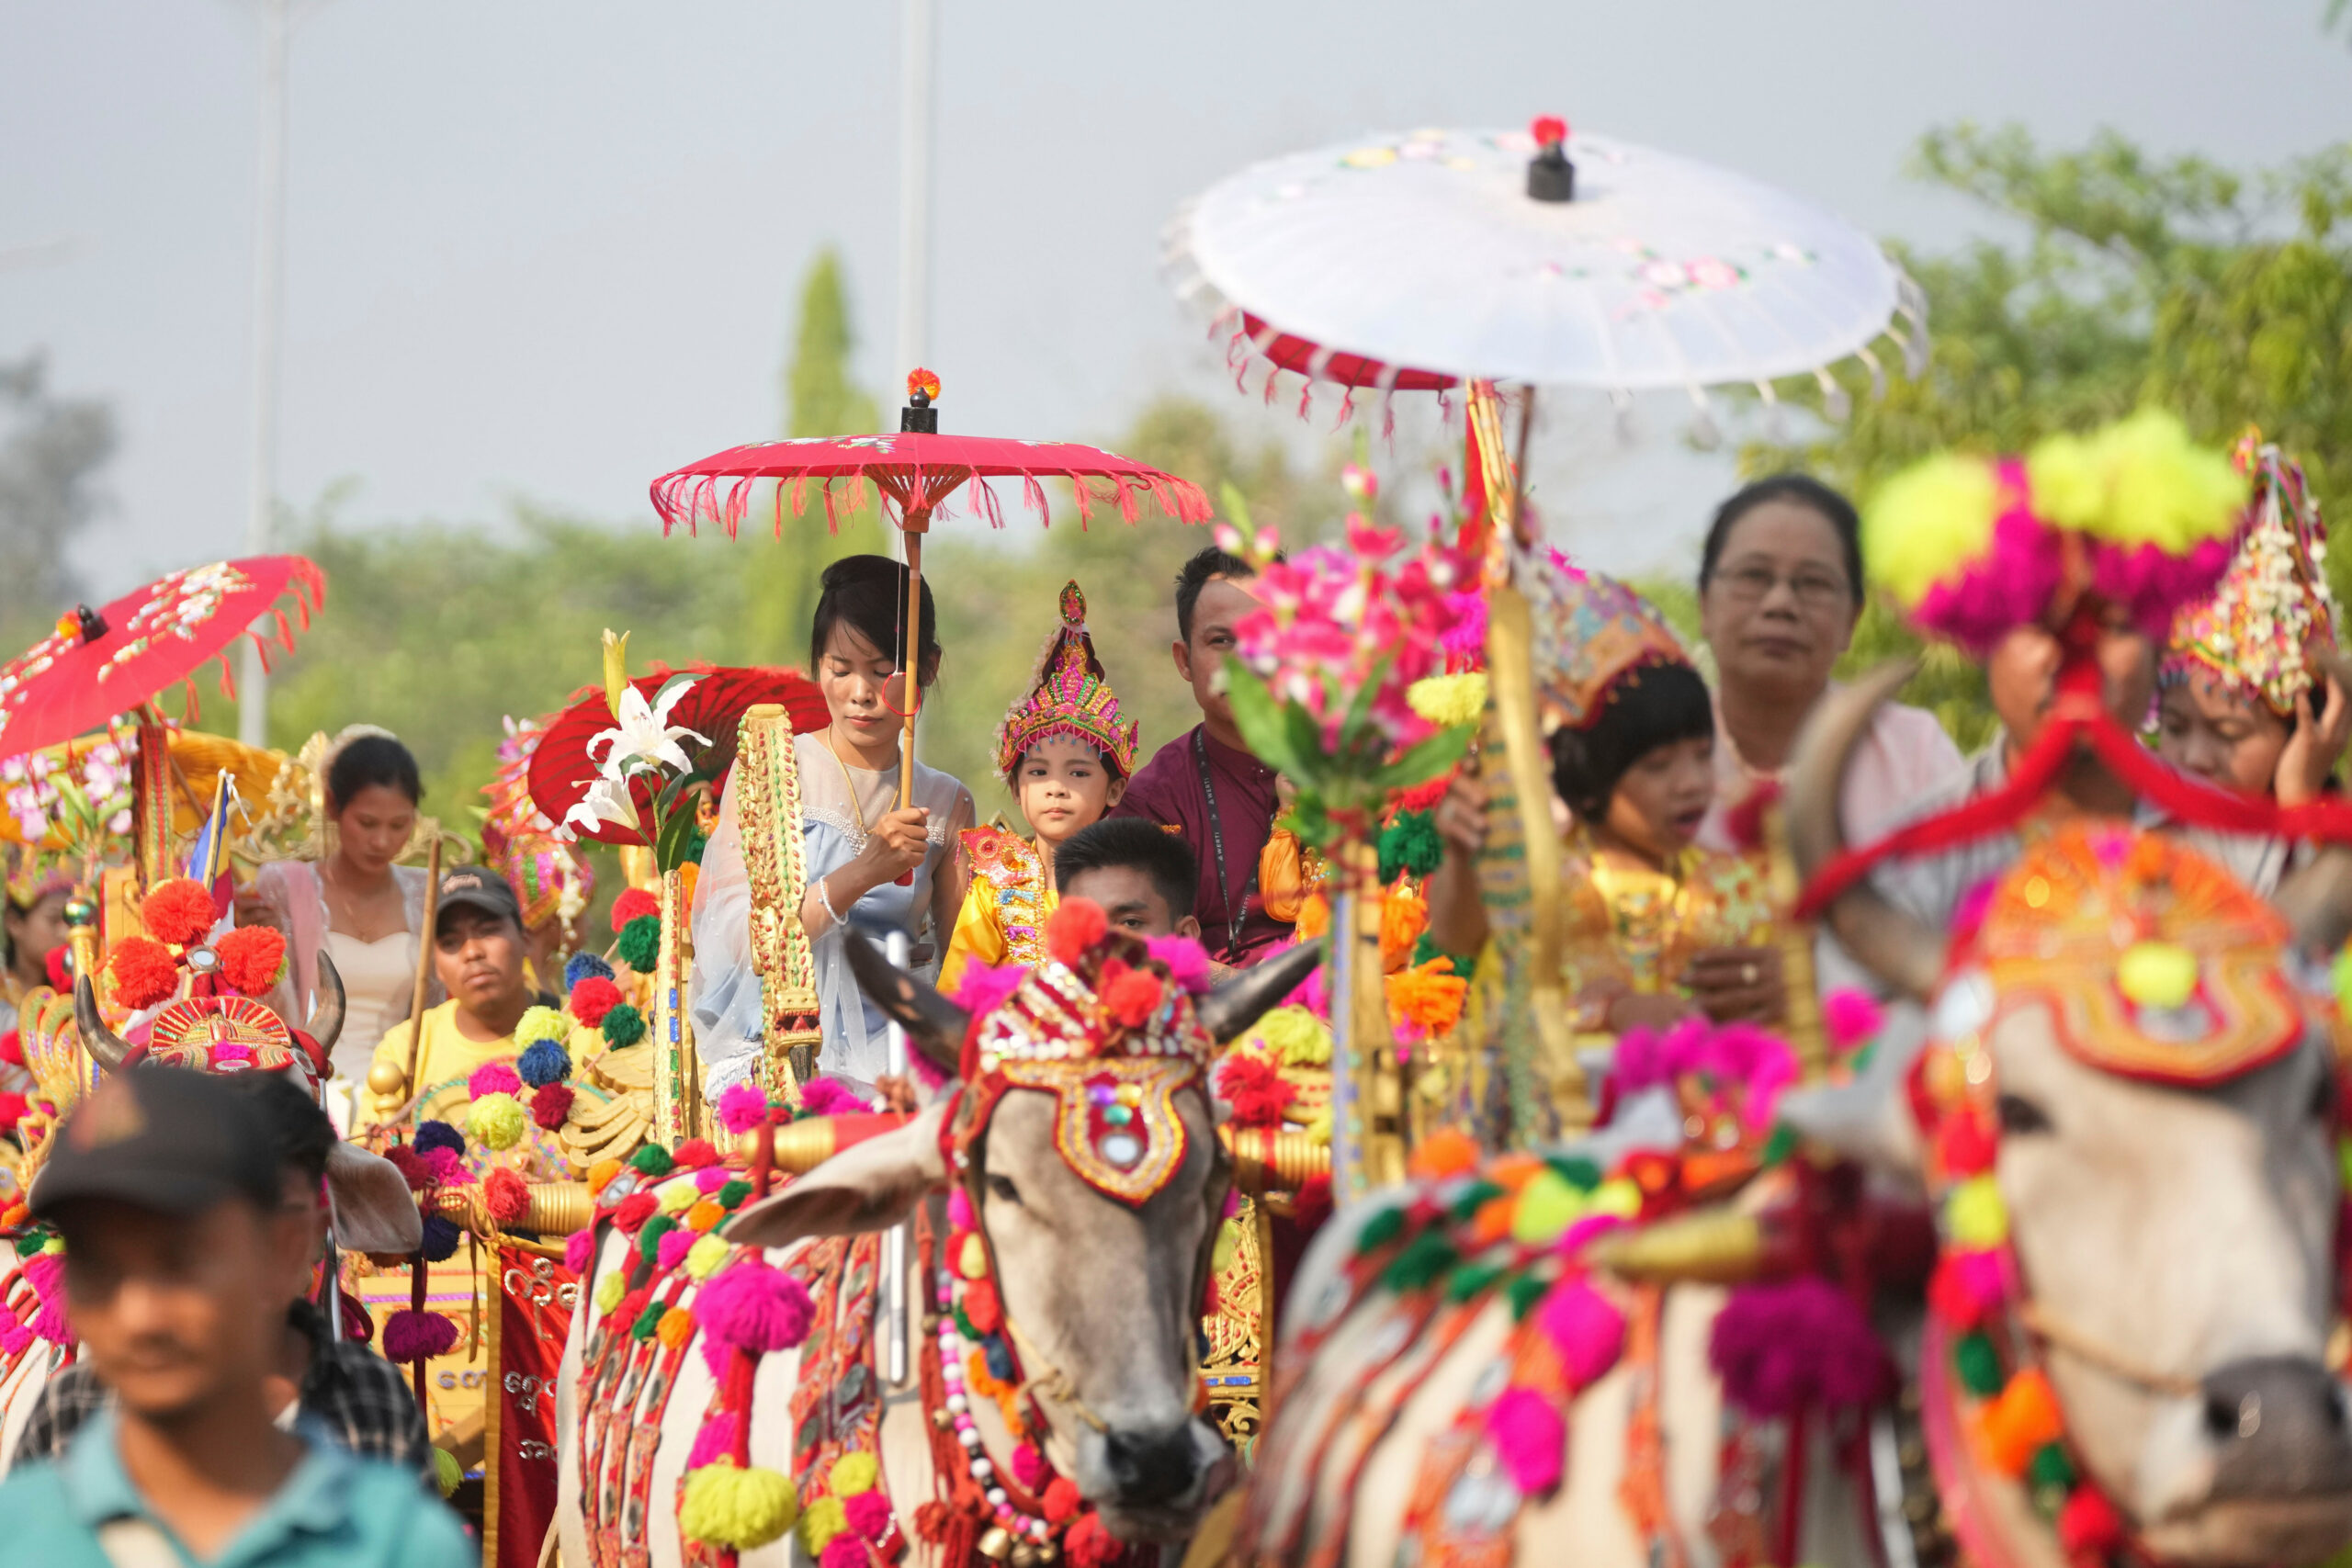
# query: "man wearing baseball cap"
478 949
180 1257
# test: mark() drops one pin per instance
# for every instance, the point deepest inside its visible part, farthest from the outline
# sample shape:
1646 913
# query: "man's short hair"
1209 563
1133 843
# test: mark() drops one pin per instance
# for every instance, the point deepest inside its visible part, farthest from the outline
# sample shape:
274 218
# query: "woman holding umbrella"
870 862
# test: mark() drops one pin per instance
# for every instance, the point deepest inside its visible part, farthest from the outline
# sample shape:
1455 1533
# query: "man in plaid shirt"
356 1396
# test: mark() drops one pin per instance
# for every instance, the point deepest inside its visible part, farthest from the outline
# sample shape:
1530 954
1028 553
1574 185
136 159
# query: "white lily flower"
645 730
608 800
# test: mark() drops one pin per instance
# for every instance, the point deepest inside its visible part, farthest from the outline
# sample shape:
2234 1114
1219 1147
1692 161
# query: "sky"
548 249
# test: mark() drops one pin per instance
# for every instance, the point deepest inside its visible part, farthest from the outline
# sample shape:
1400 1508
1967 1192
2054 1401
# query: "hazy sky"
551 249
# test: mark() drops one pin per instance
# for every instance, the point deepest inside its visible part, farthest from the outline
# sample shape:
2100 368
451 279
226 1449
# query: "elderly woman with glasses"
1780 591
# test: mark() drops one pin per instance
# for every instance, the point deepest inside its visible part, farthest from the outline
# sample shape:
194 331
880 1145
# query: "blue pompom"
545 1062
432 1135
441 1236
999 1358
584 965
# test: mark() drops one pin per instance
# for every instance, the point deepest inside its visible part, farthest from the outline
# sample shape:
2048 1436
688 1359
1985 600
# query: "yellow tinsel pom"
1975 1215
1448 700
852 1474
540 1023
2141 480
611 1289
704 1257
1292 1036
823 1519
740 1508
1928 521
496 1120
447 1473
677 1197
600 1175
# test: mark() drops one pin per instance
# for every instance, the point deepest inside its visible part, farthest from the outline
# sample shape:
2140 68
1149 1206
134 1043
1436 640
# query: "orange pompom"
677 1326
1133 997
1492 1223
143 972
1314 919
1514 1171
2014 1425
1073 928
1428 997
1449 1151
920 380
705 1215
1404 916
177 912
600 1175
251 958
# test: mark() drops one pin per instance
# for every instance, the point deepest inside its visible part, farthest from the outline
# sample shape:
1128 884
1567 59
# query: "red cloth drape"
534 1305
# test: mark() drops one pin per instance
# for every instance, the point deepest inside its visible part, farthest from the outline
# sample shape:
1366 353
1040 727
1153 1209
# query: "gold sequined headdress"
2249 636
1070 696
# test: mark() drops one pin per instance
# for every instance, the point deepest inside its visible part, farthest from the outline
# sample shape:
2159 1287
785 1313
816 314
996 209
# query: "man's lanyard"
1233 916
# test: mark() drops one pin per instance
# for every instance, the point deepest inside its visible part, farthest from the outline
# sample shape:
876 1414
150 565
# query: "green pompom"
2051 1468
447 1473
1475 1197
649 1238
1523 1292
30 1243
639 946
696 845
653 1160
1380 1230
731 1195
624 1025
1425 948
1977 1365
1423 1262
1577 1171
1780 1145
1410 844
649 1321
1472 1280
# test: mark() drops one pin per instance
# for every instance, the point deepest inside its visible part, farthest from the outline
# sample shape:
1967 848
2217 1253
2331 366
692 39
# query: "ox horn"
326 1012
105 1048
1891 944
933 1024
1250 995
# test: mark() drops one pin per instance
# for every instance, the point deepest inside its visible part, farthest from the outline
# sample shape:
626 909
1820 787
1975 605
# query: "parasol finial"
82 622
919 417
1550 175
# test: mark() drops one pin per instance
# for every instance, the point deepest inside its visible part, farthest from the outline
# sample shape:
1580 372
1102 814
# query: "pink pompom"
45 1272
959 1210
1587 1331
742 1107
411 1335
984 986
230 1053
756 1306
845 1551
1785 1347
828 1097
1530 1439
15 1338
447 1167
1187 960
494 1077
52 1324
710 1179
1232 1204
671 1250
1582 1234
868 1514
578 1248
1029 1467
1851 1016
714 1441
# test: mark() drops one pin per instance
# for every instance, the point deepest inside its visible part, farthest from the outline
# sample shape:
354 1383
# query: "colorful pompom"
755 1307
853 1474
447 1473
1410 846
539 1023
651 1159
438 1135
741 1108
633 905
703 1258
440 1237
623 1026
639 946
178 912
868 1513
1186 960
143 971
578 1248
1075 925
584 965
1133 997
507 1196
829 1096
693 1154
252 958
822 1522
634 1210
496 1120
735 1508
494 1077
1530 1439
551 1105
411 1337
593 998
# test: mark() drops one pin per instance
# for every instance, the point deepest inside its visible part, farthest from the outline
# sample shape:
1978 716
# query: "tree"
49 460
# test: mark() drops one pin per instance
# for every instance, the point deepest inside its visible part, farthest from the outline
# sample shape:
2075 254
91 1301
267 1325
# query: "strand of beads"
1013 1522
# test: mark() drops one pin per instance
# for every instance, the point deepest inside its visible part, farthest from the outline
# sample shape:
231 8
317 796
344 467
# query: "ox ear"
934 1025
1868 1119
374 1210
869 1186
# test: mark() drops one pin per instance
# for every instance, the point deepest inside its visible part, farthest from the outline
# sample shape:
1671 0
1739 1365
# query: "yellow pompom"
496 1120
600 1175
704 1257
2157 974
677 1197
1293 1036
824 1520
852 1474
972 1262
1229 1242
447 1473
1975 1215
1318 1127
1929 520
1448 700
54 1246
611 1289
1548 1207
540 1023
1620 1198
739 1509
2141 480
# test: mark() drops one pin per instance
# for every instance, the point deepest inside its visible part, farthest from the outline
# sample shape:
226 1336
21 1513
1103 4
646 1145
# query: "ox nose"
1152 1468
2278 1426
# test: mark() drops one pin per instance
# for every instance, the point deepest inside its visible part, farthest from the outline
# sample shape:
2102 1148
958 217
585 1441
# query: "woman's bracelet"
825 902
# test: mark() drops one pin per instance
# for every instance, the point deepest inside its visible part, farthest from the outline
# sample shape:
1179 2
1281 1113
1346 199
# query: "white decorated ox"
2127 1115
721 1385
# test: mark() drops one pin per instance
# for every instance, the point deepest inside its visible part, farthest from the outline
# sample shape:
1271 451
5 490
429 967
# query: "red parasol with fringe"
916 472
98 663
562 769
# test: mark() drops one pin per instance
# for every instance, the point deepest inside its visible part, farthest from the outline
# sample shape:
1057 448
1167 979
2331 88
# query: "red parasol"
916 470
99 663
561 770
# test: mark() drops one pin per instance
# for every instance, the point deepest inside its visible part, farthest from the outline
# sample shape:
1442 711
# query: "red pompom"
1548 128
981 1308
59 967
1073 928
12 1107
693 1154
1256 1092
1422 797
1132 997
413 1167
551 1105
634 1210
1089 1545
1062 1499
143 973
507 1196
1964 1144
178 912
593 998
251 958
12 1048
2088 1524
634 903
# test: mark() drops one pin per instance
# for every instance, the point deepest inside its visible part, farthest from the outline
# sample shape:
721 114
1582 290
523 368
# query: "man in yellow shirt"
478 949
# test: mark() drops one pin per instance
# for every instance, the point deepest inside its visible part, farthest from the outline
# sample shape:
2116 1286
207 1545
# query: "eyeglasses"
1815 590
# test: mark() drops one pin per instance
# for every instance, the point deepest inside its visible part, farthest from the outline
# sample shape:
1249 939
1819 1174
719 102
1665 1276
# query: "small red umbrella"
98 663
562 769
916 470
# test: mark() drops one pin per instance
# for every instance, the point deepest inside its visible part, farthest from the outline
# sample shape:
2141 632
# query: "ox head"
2128 1053
1100 1231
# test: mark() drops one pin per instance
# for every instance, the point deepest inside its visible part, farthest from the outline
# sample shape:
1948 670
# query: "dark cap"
474 888
168 1139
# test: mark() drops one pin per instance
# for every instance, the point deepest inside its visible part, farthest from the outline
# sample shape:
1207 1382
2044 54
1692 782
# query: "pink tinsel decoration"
1851 1016
710 1179
671 1250
1187 960
411 1335
1530 1439
827 1097
959 1210
714 1441
742 1107
1805 1343
1029 1467
756 1306
868 1514
985 986
845 1551
578 1247
494 1077
1584 1327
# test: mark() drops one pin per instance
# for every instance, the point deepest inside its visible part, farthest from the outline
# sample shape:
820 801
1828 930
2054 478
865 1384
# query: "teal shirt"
334 1511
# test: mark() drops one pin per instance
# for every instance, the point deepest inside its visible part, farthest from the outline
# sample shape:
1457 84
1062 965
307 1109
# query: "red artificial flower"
507 1196
551 1104
593 998
178 912
143 972
1133 997
1548 128
633 904
1256 1092
251 958
1073 928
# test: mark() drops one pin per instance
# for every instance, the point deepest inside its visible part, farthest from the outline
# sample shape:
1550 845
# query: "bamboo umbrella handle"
424 959
911 665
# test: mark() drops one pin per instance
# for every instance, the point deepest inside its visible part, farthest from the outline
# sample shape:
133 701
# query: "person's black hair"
868 594
1133 843
1206 564
372 760
1799 490
299 1134
1654 705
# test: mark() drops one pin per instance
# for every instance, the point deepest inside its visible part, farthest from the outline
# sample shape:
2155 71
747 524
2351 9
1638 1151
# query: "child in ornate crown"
1066 758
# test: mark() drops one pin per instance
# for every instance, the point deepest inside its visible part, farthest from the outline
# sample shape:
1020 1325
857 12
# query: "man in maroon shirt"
1204 785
